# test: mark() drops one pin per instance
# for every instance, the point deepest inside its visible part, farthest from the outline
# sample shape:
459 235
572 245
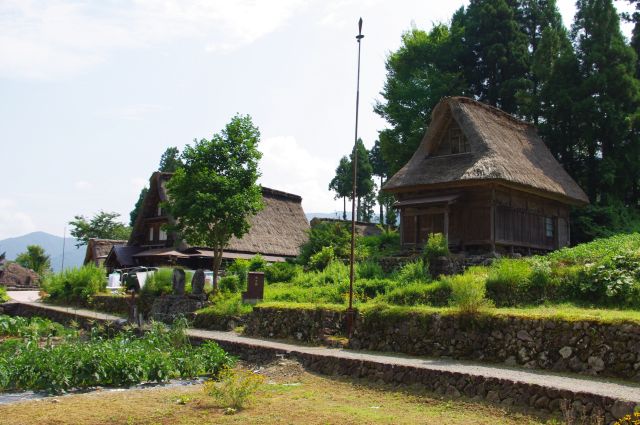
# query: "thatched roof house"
484 178
98 249
276 232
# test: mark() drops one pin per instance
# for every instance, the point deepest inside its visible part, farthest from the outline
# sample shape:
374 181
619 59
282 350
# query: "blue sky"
92 93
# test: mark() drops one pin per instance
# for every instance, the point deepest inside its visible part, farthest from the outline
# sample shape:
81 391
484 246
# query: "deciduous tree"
213 195
103 225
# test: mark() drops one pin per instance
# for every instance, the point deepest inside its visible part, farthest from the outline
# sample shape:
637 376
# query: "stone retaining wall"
585 347
302 324
504 392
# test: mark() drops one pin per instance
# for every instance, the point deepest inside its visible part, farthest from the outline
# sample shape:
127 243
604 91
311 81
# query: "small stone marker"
197 282
255 288
178 282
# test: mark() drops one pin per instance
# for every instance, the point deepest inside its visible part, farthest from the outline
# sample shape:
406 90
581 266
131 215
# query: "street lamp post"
350 315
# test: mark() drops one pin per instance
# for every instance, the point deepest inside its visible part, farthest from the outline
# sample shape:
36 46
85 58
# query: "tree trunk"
344 208
358 210
217 260
381 209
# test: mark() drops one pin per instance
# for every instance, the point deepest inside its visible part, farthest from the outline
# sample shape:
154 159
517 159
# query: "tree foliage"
580 87
36 259
215 193
170 160
103 225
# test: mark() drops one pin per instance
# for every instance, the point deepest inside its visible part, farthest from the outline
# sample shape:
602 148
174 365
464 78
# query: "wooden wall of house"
488 215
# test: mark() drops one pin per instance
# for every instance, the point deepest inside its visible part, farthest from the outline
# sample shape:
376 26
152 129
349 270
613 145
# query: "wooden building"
98 249
276 232
487 181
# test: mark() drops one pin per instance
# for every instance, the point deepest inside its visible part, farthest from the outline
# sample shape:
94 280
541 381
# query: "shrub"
235 388
369 270
468 290
230 283
159 283
436 246
326 234
416 271
281 272
75 284
240 268
436 293
321 259
506 281
367 289
226 305
385 244
330 294
257 263
3 294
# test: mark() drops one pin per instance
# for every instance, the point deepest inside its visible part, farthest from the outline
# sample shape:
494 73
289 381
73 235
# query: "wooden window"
150 233
548 227
163 235
459 143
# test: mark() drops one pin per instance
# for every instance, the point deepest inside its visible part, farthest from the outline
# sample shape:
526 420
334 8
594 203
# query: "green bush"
387 243
436 246
437 293
327 294
257 263
226 304
416 271
468 290
369 270
159 283
3 294
321 259
603 221
240 268
281 272
506 281
75 284
336 235
231 283
370 288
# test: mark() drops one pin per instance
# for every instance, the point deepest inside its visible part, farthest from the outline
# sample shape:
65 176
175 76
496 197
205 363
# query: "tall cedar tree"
498 45
607 101
364 180
379 168
341 183
215 193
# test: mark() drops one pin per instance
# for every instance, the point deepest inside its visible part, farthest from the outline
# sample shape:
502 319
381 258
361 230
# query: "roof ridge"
493 109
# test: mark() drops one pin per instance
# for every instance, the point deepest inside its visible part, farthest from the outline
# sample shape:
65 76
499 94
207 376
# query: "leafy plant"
468 290
281 272
320 260
416 271
235 388
437 293
75 284
436 246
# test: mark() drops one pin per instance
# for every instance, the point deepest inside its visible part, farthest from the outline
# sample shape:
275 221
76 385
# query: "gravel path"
597 386
24 296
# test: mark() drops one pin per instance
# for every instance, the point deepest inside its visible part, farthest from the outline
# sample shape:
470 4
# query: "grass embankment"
305 398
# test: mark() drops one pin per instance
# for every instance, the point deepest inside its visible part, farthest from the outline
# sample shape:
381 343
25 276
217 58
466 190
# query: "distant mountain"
73 257
336 214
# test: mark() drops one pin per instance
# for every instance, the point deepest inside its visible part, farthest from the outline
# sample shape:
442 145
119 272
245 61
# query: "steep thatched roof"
98 249
278 229
502 149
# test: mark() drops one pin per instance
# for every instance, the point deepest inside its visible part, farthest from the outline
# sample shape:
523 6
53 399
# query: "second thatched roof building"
487 181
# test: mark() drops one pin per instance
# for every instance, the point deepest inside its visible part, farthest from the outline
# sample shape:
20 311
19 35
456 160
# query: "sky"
93 92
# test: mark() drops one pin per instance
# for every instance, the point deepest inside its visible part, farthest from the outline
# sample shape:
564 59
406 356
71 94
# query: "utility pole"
350 315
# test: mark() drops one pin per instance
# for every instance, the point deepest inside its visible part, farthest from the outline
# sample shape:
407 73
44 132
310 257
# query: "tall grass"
75 284
468 290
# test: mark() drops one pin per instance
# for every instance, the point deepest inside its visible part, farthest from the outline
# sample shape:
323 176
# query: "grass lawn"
286 398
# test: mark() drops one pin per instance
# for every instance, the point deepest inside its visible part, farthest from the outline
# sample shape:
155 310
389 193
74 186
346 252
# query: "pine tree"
342 184
498 45
608 99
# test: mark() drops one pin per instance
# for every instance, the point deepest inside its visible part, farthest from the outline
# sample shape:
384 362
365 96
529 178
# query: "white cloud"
83 185
288 166
54 38
12 221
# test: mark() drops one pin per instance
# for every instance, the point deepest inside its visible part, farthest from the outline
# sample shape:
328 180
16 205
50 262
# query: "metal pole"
350 315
